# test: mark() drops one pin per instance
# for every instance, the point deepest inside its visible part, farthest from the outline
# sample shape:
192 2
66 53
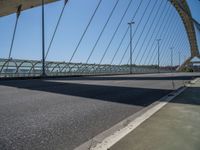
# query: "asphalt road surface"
61 114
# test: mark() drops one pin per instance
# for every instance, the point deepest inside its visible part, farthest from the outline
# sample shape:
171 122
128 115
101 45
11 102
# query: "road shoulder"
174 127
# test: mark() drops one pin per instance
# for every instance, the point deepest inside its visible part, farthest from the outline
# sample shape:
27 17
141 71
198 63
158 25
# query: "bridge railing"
32 68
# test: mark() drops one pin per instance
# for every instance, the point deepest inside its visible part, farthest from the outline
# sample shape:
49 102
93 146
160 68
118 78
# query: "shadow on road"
125 95
128 78
190 96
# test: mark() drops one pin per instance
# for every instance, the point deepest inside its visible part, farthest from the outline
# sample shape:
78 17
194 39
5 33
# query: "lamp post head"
158 40
130 23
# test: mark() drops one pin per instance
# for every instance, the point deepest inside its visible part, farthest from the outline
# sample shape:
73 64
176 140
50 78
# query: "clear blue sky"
76 16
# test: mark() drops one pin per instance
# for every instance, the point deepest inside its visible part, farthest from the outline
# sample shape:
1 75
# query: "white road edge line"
118 135
105 140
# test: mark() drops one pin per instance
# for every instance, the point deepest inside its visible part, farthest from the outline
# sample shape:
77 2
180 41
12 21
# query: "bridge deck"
64 113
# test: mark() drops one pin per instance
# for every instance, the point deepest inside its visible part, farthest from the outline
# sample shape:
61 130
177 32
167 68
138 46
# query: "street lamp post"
179 58
171 59
158 40
131 38
43 42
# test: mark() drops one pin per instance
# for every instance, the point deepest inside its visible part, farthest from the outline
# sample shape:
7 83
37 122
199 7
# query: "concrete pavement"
174 127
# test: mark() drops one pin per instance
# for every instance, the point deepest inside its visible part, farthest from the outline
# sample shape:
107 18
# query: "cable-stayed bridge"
169 21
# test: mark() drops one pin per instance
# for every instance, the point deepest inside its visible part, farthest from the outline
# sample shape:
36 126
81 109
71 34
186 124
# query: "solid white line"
118 135
108 138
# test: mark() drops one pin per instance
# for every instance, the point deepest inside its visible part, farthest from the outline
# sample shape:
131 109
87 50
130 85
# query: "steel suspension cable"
162 14
167 54
149 30
162 30
86 29
141 19
14 32
116 30
167 41
56 28
141 34
186 53
125 33
184 56
182 44
178 47
171 40
100 35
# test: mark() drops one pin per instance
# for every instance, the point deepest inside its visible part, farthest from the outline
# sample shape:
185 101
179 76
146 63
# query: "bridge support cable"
115 32
183 40
164 30
14 32
165 61
167 55
182 45
161 17
143 29
185 54
165 39
86 29
164 26
145 51
15 29
171 40
56 28
149 30
102 31
125 33
179 39
136 29
147 33
178 47
168 40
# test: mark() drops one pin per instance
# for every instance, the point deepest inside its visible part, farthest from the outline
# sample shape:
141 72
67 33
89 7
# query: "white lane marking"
108 138
118 135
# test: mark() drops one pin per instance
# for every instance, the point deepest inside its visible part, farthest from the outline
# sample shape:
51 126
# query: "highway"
63 113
